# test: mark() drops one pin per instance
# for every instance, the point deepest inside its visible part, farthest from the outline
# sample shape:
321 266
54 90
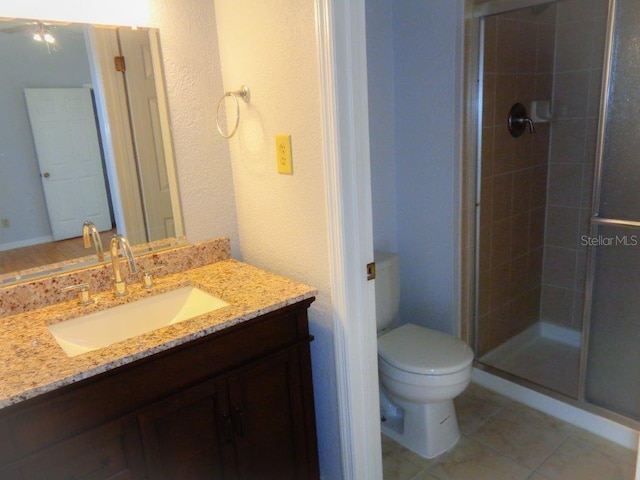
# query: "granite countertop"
32 362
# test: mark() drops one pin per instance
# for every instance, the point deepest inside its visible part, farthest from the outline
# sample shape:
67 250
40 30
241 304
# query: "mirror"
84 135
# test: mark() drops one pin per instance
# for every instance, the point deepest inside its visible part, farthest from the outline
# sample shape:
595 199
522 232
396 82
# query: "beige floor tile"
616 452
397 469
505 440
425 476
388 445
537 476
475 406
391 446
523 434
470 460
576 460
399 463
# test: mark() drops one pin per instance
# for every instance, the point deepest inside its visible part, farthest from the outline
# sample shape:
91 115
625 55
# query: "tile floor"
505 440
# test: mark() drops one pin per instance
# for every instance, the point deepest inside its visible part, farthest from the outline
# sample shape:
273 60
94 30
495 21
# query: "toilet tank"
387 289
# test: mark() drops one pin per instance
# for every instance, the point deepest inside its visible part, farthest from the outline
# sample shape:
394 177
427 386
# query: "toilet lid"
424 351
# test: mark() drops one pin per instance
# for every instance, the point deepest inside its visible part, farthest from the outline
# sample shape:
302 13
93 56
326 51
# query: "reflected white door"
145 121
66 140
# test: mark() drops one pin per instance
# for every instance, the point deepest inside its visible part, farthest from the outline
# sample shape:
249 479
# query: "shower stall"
558 199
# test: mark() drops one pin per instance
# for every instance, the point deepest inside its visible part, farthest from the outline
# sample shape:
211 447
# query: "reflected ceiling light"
42 34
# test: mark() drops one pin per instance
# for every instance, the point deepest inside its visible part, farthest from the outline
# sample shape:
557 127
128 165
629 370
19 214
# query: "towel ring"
243 93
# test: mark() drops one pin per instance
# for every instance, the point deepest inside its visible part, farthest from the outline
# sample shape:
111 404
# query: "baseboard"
615 432
25 243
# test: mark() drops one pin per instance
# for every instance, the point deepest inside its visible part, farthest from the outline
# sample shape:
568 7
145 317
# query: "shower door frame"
594 220
480 13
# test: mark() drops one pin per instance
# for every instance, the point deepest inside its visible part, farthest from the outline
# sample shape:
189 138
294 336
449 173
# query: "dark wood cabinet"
249 426
237 404
110 452
181 435
266 410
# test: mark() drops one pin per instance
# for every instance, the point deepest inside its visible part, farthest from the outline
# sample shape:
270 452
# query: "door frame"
112 108
341 34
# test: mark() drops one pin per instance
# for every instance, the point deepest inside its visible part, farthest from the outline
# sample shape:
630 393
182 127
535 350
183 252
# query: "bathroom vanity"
226 396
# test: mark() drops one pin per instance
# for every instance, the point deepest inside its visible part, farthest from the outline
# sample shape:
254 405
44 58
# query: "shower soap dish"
540 111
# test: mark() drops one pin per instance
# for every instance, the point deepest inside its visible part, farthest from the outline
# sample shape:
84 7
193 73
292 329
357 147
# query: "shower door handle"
518 120
595 220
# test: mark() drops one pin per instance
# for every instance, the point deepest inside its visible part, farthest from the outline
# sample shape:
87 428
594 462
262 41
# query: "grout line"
503 455
555 450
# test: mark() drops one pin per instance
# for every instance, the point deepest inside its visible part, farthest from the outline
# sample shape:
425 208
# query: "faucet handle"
147 278
84 297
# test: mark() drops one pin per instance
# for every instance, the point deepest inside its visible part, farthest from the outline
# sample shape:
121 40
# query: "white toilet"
421 371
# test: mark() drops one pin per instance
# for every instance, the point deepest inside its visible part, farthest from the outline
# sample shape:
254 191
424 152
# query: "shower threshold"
544 354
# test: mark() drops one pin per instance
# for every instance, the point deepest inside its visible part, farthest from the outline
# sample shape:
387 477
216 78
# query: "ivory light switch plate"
283 154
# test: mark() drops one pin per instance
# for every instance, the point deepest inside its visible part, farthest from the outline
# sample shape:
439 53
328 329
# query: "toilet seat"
418 350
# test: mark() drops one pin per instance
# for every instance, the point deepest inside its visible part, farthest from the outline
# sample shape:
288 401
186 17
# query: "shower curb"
603 427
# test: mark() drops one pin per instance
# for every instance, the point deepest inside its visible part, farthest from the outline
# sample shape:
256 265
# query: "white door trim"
165 125
343 71
111 103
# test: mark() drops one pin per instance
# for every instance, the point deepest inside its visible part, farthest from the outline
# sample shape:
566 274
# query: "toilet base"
428 429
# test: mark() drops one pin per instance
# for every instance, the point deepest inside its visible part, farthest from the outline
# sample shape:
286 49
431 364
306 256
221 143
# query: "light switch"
283 154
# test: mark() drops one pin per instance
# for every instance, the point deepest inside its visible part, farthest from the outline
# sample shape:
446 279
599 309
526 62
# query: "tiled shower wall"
518 67
580 42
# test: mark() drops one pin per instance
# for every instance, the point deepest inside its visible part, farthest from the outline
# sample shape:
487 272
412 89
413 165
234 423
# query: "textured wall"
415 94
428 45
192 68
112 12
270 45
379 15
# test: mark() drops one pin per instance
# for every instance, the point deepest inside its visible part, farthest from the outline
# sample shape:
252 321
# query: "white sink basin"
100 329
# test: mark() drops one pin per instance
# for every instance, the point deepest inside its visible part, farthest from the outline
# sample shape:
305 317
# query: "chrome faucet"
120 241
90 231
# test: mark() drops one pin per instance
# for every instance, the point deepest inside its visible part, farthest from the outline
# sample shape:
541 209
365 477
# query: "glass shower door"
613 358
534 196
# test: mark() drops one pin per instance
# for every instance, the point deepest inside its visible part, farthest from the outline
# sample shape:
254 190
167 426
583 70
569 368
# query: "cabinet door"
188 435
109 452
266 405
10 473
